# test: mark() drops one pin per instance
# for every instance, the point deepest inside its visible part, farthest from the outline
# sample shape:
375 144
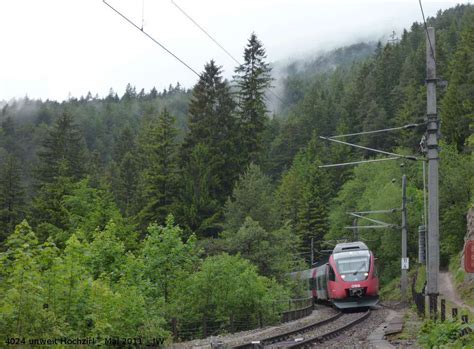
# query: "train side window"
331 274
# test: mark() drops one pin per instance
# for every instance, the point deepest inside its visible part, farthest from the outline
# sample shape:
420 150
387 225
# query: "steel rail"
308 343
287 335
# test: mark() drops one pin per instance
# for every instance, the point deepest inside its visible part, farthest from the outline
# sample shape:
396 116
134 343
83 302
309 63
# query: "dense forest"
127 215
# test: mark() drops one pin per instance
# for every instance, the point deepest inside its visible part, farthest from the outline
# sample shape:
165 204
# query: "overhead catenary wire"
151 38
358 162
404 127
392 210
218 44
205 32
409 157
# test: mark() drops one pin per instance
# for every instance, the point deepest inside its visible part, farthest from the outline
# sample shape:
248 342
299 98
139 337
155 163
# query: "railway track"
307 336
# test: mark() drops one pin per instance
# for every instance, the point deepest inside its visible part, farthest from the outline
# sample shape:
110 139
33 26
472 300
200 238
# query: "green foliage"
303 197
228 288
167 259
252 197
83 271
122 312
253 79
271 251
437 334
199 209
48 293
457 105
455 196
213 124
378 187
63 152
22 298
464 288
107 253
390 291
127 183
89 209
12 196
159 178
50 214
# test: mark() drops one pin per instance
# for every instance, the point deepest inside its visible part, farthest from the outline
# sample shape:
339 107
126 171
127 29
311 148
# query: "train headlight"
366 274
343 277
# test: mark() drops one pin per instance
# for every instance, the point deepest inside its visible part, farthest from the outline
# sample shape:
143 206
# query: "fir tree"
125 173
212 124
252 79
159 177
198 210
63 163
12 197
458 104
252 197
63 152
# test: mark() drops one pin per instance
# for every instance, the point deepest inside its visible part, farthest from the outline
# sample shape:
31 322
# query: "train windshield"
352 262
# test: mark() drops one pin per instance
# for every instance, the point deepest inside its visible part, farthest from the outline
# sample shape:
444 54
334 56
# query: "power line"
218 44
392 210
205 32
359 162
426 30
409 157
404 127
151 38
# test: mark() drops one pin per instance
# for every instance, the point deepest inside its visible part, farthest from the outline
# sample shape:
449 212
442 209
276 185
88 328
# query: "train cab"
352 279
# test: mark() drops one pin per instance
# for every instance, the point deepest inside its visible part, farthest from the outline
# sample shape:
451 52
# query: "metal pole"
404 278
425 213
433 164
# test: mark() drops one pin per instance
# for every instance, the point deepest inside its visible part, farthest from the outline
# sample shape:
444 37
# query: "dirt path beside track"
448 291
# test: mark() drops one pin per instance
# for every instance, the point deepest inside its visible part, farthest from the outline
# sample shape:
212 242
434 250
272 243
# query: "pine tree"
252 79
9 134
313 211
130 93
127 184
252 197
124 143
198 209
63 152
12 197
458 105
304 196
62 163
125 171
212 124
160 175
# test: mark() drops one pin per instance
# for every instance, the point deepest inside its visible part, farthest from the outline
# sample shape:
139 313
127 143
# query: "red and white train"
348 280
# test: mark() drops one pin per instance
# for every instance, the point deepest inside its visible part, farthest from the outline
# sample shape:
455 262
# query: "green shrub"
438 334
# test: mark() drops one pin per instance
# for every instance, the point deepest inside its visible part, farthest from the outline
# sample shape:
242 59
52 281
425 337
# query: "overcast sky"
51 48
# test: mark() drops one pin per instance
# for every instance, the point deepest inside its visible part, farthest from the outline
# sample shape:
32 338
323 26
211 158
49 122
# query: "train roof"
350 246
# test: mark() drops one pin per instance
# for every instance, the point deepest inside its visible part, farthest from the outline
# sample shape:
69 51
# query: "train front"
354 282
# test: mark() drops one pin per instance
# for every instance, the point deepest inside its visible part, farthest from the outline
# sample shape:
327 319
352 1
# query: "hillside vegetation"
126 216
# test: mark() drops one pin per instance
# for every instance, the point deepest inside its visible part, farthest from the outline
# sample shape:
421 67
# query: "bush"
437 334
